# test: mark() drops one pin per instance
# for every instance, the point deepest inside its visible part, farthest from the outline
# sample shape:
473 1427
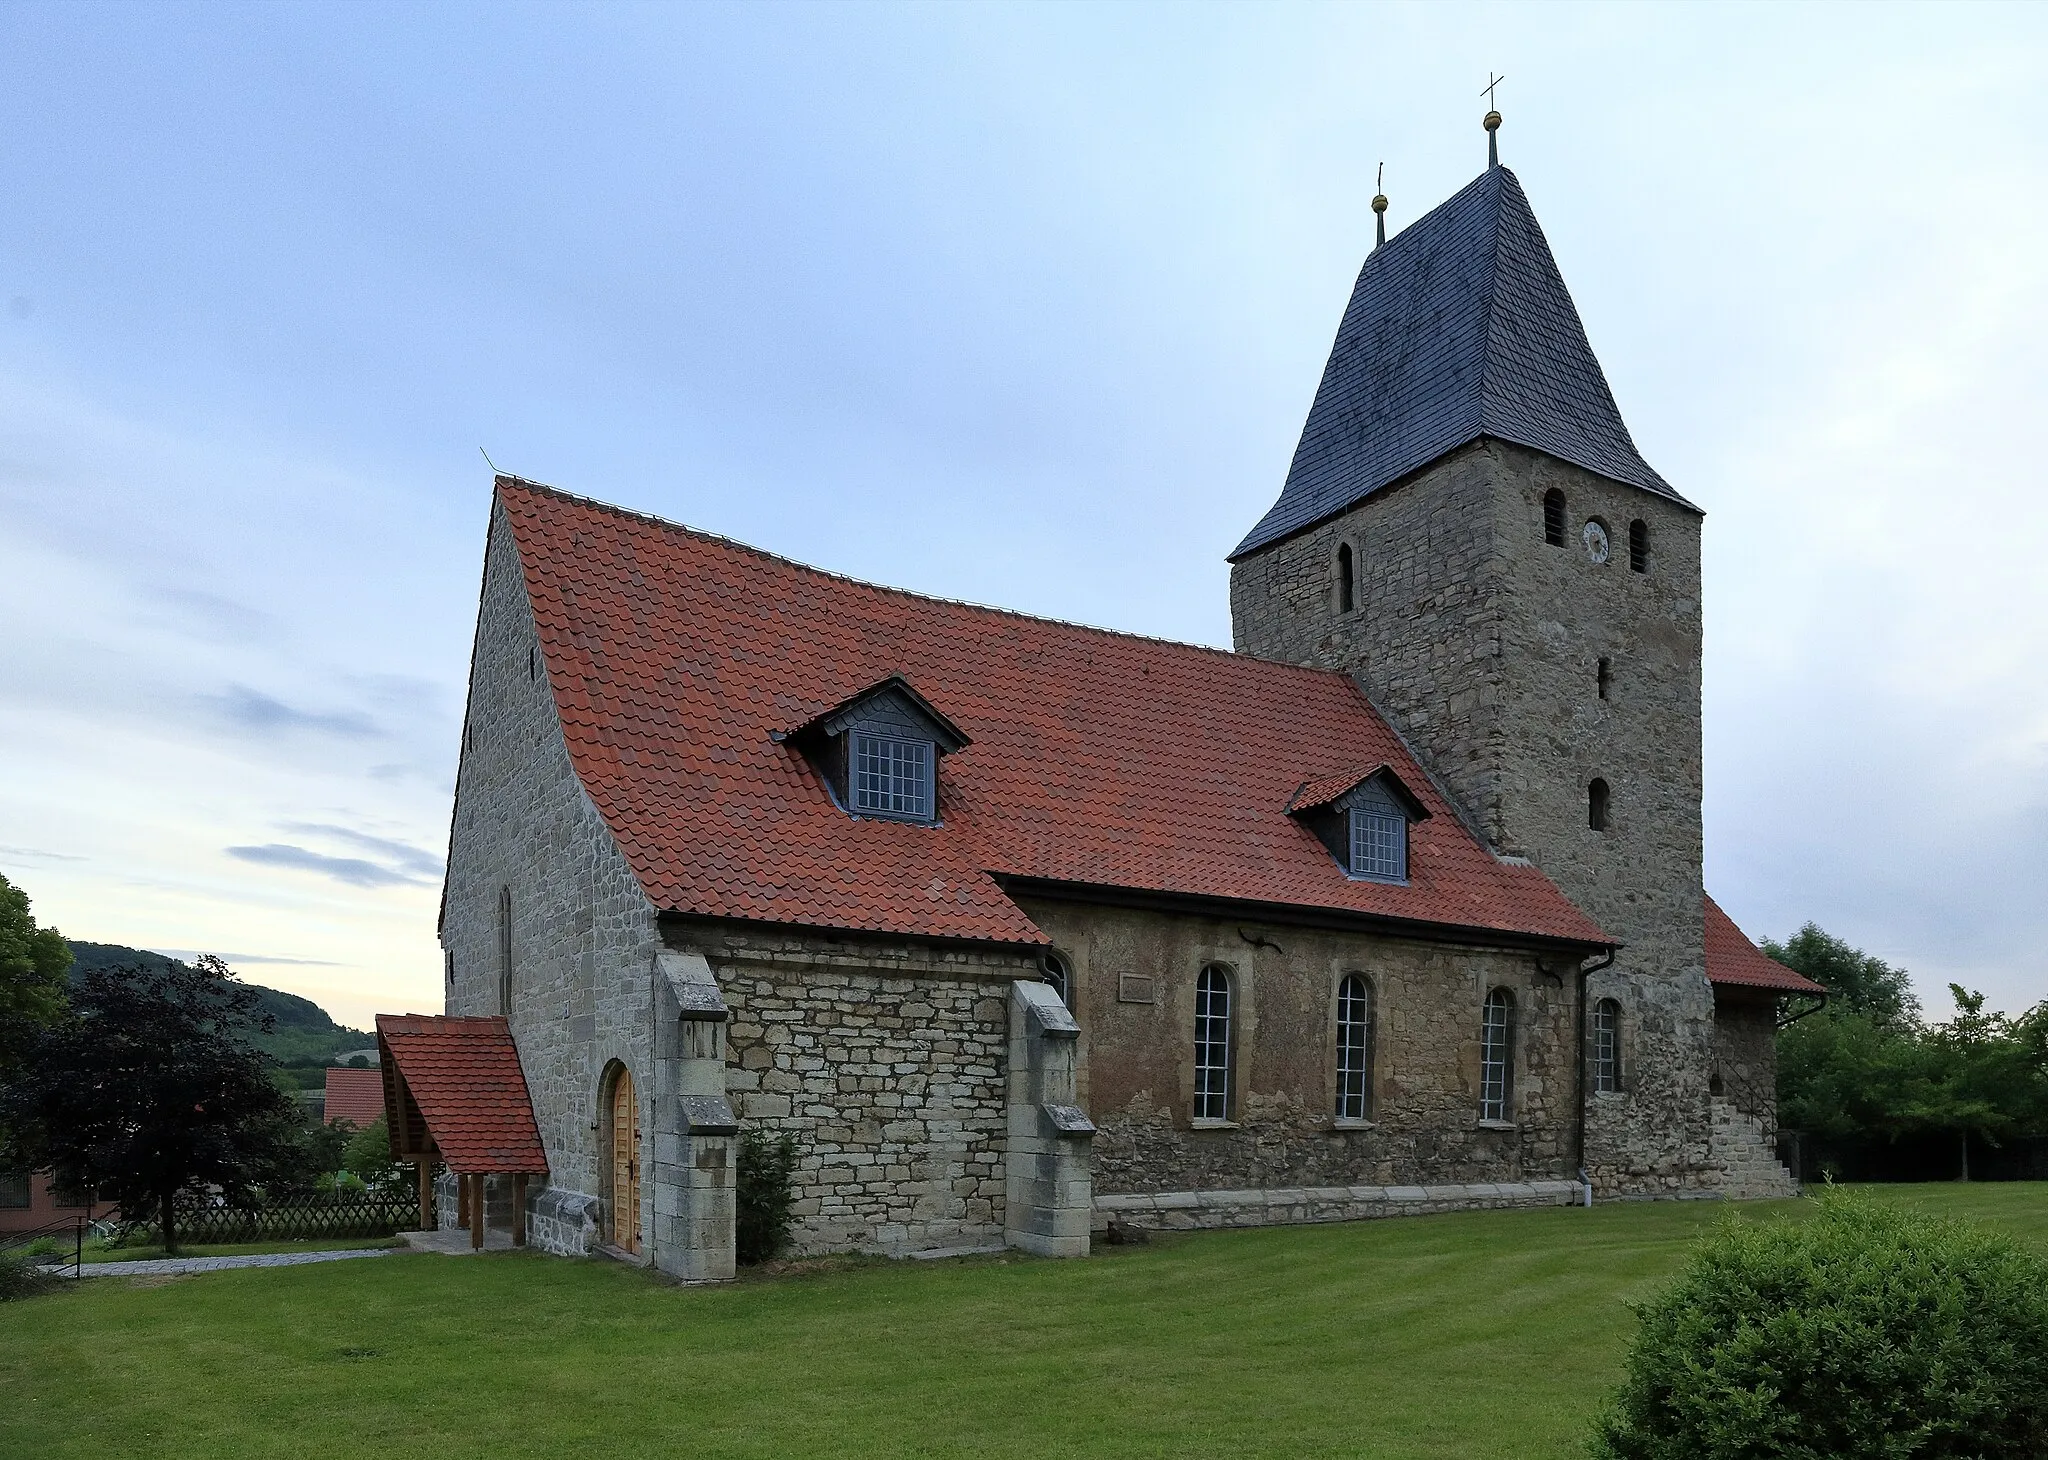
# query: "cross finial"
1492 122
1379 203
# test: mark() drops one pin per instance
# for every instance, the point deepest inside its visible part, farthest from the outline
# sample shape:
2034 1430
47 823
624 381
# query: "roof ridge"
1489 357
707 535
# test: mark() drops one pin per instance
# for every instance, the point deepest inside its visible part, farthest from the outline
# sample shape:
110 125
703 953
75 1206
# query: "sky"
1019 304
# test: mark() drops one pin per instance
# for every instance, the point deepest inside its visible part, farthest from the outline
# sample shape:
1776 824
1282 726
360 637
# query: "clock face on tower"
1596 542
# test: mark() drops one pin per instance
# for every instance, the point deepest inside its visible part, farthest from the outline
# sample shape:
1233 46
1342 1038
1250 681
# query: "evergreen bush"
1868 1330
764 1196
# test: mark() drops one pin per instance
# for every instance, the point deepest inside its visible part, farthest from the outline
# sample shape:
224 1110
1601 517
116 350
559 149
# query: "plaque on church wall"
1134 988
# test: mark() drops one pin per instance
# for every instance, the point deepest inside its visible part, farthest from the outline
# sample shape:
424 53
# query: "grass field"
1478 1335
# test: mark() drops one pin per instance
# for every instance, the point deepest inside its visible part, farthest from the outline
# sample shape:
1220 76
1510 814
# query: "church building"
1021 929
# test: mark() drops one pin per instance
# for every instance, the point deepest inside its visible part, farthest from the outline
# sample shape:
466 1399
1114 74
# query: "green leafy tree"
368 1155
1855 980
33 962
150 1086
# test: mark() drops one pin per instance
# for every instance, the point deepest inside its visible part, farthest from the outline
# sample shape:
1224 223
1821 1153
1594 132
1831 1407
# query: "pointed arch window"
1497 1056
1060 975
1345 596
1212 1043
1606 1052
1354 1048
1553 517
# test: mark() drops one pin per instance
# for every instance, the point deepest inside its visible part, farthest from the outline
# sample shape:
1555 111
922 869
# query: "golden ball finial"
1379 202
1492 122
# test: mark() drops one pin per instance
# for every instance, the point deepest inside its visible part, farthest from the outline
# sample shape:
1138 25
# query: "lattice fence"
288 1218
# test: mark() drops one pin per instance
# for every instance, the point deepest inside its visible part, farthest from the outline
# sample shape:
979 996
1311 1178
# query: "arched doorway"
622 1162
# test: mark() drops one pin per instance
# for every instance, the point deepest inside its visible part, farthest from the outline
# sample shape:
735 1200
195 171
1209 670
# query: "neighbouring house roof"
356 1096
1733 961
1460 327
461 1077
1095 758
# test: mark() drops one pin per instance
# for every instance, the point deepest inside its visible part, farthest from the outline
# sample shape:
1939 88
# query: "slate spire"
1459 327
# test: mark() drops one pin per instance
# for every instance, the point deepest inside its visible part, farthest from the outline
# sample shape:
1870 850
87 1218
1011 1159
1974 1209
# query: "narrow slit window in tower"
1596 805
1639 546
1606 677
1553 517
1344 598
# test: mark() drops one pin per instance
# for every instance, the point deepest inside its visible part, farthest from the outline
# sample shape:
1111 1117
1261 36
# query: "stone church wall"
1746 1052
886 1060
583 936
1134 978
1480 643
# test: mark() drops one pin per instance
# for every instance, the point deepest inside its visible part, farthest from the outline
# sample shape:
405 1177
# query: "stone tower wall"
583 934
1481 643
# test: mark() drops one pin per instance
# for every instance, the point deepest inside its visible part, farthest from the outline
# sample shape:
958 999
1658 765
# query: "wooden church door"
625 1233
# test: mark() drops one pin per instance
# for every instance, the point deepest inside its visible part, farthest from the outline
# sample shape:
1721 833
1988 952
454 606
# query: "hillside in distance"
304 1039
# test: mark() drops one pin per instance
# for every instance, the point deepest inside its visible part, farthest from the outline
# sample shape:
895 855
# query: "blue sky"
1018 304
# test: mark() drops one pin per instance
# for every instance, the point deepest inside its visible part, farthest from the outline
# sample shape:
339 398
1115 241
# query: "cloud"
352 870
253 710
35 855
233 958
218 618
406 857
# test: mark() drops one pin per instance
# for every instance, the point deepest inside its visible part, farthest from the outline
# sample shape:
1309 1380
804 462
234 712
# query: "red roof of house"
356 1096
1097 758
464 1075
1735 961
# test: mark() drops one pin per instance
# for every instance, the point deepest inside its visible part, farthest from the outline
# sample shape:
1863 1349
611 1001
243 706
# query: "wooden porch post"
429 1219
476 1212
519 1209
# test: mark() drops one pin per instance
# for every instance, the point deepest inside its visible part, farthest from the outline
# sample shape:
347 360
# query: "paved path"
166 1266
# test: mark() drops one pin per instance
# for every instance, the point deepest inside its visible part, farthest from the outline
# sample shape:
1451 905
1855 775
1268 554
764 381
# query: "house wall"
886 1060
1134 979
583 935
1746 1052
1480 643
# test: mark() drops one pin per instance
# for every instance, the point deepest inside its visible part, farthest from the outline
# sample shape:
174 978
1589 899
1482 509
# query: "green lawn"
95 1252
1481 1335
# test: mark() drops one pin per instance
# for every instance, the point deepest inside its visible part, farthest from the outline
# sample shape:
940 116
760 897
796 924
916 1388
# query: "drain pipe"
1579 1145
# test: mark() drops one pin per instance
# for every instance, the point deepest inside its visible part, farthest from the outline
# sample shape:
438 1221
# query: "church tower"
1469 531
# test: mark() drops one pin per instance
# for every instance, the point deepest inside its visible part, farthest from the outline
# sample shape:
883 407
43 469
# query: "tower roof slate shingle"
1095 758
1460 327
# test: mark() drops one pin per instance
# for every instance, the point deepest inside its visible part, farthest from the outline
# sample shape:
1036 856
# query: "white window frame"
1354 1047
1606 1060
1497 1056
1214 995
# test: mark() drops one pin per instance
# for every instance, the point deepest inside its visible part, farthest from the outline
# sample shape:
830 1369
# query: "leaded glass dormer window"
892 776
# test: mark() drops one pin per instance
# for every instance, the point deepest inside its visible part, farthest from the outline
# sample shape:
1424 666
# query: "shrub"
764 1195
20 1279
1868 1330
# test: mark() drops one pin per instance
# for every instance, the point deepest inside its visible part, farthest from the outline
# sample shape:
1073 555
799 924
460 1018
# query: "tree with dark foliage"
148 1087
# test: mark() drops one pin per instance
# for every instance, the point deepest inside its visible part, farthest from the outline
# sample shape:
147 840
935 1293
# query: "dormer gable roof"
1336 793
891 700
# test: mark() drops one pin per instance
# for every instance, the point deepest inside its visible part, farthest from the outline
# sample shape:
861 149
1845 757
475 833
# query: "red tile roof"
356 1096
465 1077
1734 961
1322 792
1097 758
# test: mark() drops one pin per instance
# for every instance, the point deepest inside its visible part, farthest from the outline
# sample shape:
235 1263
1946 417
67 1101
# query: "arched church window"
1344 590
1354 1048
1639 546
1596 804
505 951
1212 1044
1060 976
1553 517
1497 1056
1606 1046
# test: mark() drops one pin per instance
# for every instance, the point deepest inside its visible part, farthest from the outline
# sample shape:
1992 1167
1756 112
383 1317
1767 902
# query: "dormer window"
892 776
1362 818
878 752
